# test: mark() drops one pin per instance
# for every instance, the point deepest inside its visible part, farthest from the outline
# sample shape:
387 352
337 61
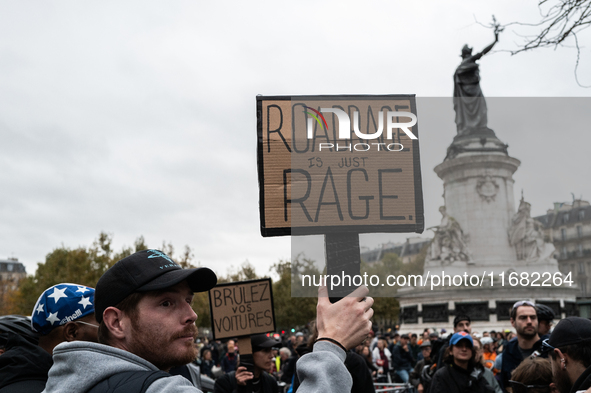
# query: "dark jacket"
511 359
206 366
439 353
23 367
362 379
417 372
414 351
583 382
227 384
401 359
289 369
453 379
229 362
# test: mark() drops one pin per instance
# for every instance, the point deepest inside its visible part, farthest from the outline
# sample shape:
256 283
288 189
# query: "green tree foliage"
82 265
292 311
386 306
246 271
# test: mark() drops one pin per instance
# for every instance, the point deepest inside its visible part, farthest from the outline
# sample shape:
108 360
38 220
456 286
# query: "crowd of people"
135 332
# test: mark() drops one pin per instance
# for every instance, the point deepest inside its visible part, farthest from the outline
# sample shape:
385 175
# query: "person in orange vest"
489 355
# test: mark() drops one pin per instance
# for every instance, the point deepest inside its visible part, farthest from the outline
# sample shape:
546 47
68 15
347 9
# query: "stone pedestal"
474 240
478 193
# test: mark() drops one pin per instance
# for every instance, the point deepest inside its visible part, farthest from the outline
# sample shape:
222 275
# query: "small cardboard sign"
339 164
242 308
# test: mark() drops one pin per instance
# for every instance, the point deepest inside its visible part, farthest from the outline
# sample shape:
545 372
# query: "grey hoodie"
80 365
324 370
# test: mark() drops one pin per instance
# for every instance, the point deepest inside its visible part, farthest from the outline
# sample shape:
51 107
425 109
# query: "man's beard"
155 348
521 332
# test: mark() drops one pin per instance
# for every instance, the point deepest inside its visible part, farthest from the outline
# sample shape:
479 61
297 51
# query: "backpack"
128 382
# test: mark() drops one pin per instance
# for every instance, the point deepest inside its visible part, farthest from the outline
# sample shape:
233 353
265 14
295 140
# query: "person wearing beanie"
569 347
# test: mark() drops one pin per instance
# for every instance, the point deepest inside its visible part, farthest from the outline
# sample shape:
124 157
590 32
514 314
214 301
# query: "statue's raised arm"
485 50
469 103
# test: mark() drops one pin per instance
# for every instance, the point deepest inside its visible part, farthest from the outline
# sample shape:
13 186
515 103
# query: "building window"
580 250
9 267
563 252
581 215
565 218
583 286
563 234
581 268
580 231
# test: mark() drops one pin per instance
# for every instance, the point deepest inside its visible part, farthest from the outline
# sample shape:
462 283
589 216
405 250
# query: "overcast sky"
138 117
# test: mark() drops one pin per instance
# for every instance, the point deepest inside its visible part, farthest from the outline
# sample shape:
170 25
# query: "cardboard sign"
241 308
339 164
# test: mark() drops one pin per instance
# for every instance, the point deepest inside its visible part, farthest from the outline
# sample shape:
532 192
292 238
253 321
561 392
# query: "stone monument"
481 234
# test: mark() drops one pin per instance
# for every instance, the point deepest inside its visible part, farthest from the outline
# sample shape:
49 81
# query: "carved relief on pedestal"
526 235
449 244
487 188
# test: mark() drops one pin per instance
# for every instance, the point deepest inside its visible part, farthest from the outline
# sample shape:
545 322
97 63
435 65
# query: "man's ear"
512 322
115 322
561 358
70 331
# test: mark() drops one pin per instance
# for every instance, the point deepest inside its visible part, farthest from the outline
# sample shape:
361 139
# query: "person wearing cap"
545 318
460 373
462 323
258 380
415 375
524 319
569 347
63 313
402 360
488 375
146 327
488 354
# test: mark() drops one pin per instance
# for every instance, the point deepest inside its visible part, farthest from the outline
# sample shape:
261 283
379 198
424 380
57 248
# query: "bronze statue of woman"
469 102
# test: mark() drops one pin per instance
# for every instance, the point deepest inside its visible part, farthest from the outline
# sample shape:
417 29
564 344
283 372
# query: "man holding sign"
257 381
147 326
341 326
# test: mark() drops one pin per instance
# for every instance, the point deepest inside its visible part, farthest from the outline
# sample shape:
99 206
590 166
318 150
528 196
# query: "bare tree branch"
561 20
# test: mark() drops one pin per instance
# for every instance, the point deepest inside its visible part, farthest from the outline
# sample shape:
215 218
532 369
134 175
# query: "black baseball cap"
147 270
261 341
461 317
569 331
425 344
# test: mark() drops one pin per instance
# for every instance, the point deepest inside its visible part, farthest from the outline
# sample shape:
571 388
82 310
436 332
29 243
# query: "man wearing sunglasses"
525 321
569 346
